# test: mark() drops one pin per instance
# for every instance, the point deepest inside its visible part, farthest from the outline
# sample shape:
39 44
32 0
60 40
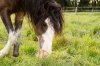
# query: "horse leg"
45 40
18 24
7 22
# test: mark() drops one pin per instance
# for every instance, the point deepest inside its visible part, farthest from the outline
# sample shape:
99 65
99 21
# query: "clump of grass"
96 31
60 42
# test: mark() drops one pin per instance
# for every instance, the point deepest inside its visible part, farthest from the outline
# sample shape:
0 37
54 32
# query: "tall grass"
79 44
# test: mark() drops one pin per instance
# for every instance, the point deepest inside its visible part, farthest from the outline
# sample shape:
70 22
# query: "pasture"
79 44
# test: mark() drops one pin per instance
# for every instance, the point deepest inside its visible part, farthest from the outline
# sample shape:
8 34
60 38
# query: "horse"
45 16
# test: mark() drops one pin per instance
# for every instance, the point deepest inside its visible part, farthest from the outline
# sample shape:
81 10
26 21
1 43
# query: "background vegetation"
79 3
79 44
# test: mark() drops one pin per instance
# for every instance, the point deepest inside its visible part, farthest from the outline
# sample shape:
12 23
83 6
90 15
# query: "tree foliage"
80 3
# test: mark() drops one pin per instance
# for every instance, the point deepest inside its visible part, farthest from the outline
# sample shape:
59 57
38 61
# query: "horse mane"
39 10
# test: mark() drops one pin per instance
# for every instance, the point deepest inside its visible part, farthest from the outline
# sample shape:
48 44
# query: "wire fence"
81 9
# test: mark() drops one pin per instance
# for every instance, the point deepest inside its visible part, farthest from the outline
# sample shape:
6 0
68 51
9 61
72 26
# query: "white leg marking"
13 37
46 39
17 34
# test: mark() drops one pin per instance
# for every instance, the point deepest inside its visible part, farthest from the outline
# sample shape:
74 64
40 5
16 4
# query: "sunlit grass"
79 44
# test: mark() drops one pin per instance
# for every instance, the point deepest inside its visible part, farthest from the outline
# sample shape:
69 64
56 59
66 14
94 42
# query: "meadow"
79 44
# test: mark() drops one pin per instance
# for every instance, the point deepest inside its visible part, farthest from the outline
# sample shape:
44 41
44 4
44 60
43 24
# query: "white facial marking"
46 39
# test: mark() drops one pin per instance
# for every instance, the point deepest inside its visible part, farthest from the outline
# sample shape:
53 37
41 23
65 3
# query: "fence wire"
81 9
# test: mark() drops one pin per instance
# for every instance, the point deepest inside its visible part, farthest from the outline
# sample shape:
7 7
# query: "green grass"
79 44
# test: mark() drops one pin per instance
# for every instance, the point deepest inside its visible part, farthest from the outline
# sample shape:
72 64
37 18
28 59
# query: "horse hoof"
15 54
42 54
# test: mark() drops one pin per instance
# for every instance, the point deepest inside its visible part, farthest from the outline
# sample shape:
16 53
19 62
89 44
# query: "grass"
79 44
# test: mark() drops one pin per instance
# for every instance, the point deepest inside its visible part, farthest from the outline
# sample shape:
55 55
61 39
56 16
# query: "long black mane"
39 10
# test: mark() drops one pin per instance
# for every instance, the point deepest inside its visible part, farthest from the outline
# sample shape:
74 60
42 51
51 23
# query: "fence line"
81 9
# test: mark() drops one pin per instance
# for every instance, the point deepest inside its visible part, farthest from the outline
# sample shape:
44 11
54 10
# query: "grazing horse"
45 16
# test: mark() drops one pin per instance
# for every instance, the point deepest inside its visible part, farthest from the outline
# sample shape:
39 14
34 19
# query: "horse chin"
42 54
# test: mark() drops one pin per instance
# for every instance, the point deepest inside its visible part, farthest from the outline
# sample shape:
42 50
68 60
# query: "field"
79 44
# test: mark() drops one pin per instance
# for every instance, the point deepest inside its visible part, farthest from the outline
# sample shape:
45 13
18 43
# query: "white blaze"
45 39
